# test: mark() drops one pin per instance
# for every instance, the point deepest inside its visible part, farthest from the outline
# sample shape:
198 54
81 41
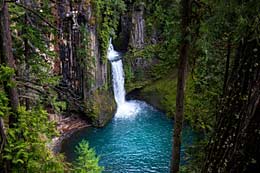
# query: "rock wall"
137 33
132 39
84 74
131 31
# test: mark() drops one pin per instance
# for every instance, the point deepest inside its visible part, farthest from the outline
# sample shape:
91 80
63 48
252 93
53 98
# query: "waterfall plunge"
125 109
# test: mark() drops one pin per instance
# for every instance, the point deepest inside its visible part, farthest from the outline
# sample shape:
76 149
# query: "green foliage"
162 33
27 143
221 23
107 17
26 148
163 23
86 61
87 161
58 106
4 109
33 43
199 103
200 106
5 76
92 108
195 155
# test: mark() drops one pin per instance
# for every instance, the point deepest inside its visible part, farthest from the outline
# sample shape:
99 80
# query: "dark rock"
151 98
82 75
137 33
122 40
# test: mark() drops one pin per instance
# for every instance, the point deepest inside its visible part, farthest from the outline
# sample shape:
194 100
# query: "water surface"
139 143
137 140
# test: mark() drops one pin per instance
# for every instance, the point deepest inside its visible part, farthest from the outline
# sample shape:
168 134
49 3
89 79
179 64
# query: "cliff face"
86 79
131 39
85 76
131 31
137 33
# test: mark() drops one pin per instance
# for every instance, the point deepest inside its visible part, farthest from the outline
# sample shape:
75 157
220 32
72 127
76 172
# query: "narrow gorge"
127 86
138 138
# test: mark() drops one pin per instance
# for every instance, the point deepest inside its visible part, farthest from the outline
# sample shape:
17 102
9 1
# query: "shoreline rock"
66 126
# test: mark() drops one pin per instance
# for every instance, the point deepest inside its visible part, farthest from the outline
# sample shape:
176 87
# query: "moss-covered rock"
100 107
160 94
138 70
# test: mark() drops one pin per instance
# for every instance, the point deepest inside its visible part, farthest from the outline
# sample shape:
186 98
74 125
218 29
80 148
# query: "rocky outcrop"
65 125
83 70
152 97
102 105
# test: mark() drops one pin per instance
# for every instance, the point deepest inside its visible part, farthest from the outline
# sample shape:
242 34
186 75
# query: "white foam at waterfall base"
129 109
125 109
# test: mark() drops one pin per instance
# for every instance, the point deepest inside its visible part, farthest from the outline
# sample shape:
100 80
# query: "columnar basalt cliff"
86 80
137 33
132 38
84 74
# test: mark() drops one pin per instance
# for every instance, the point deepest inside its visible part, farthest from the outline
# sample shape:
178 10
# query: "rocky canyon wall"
85 76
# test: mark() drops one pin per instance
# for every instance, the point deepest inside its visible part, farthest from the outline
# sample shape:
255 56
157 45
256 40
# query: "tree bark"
234 147
7 58
27 67
227 64
3 141
182 70
3 135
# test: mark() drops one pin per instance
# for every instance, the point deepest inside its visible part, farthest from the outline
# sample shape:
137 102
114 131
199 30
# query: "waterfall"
125 108
118 76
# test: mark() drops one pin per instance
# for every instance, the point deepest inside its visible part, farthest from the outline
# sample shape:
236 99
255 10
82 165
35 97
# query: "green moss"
107 18
136 85
198 108
100 107
164 90
138 76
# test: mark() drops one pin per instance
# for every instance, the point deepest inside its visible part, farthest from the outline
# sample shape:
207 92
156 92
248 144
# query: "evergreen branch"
39 90
36 14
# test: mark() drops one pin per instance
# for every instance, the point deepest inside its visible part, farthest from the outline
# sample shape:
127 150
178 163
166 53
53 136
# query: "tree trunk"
8 59
227 64
27 67
235 145
182 69
3 141
3 135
